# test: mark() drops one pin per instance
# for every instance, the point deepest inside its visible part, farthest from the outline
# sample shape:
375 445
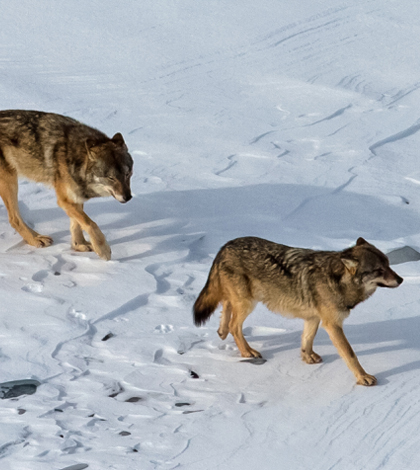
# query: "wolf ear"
92 149
118 139
90 145
351 264
361 241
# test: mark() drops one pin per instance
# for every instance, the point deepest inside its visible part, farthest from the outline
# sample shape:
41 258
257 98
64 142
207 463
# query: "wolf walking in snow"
78 161
317 286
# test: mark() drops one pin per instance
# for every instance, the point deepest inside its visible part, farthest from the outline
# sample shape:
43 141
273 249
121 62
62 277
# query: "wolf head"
109 168
369 266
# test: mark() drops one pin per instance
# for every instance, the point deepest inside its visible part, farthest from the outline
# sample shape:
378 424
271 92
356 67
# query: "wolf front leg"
79 217
78 242
336 334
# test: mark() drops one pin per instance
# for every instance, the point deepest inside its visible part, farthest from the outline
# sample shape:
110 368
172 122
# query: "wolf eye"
111 178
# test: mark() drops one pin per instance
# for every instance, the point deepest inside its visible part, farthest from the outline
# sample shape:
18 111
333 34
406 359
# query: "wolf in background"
79 162
317 286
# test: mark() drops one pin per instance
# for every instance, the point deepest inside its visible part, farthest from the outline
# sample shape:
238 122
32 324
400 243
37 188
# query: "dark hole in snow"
133 400
107 337
182 404
194 375
17 388
125 433
403 255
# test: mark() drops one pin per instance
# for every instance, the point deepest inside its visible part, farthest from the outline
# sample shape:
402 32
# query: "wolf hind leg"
240 310
9 194
78 241
310 329
223 330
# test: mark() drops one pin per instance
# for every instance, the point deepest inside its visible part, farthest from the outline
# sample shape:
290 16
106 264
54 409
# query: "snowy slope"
298 124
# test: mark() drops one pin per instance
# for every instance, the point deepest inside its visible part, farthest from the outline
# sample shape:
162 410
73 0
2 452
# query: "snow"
298 123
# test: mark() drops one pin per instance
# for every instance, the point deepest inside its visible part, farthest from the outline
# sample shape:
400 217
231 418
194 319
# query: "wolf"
79 162
317 286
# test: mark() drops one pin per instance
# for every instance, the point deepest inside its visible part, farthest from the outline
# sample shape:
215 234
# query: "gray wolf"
79 162
317 286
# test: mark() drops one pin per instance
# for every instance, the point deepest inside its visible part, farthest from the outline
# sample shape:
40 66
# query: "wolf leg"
340 341
76 214
310 327
223 330
78 242
240 310
9 194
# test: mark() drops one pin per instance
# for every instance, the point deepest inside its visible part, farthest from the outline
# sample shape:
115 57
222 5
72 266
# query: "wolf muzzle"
125 198
391 279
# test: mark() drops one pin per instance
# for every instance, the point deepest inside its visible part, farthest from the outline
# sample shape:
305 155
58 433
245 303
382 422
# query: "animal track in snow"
40 275
35 288
162 285
164 329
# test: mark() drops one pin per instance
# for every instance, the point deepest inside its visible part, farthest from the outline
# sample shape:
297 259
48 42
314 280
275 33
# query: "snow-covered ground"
297 122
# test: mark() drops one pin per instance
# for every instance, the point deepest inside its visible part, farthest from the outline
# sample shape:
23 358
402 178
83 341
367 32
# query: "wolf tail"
209 298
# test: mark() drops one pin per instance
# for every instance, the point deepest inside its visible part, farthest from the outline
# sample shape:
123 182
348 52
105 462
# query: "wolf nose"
399 279
127 197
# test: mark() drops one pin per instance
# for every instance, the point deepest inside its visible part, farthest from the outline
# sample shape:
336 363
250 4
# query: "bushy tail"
209 298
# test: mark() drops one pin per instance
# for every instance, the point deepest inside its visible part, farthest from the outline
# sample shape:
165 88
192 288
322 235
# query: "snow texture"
297 122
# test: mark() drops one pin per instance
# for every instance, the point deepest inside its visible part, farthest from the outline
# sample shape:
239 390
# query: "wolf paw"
83 247
222 333
251 353
103 251
41 241
311 358
367 380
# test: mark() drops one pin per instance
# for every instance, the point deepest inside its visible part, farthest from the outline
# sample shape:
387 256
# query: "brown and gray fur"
317 286
79 162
